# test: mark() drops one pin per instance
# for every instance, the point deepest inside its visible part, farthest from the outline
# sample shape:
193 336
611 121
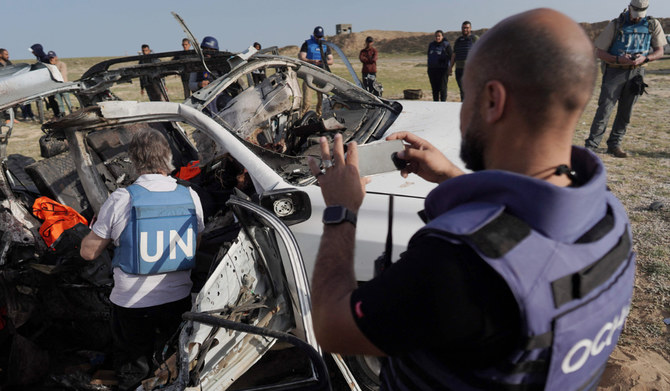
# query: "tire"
366 371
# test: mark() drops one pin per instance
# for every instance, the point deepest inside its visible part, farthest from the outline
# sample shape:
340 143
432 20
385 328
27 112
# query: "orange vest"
57 218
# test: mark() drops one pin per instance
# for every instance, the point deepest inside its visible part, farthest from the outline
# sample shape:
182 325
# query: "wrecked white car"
252 143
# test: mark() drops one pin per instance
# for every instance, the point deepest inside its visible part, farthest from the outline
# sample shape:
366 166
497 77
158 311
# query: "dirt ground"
641 361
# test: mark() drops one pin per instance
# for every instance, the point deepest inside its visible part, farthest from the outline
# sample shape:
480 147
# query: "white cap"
638 8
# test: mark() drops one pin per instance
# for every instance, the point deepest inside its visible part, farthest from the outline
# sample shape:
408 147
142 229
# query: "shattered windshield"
264 105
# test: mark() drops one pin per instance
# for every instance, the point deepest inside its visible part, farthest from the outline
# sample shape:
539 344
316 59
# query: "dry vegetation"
638 181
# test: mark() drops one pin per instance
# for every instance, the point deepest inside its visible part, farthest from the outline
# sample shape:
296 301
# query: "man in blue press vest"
523 275
154 225
316 53
625 47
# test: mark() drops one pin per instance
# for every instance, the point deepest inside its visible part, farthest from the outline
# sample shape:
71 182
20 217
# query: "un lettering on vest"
580 352
175 240
635 40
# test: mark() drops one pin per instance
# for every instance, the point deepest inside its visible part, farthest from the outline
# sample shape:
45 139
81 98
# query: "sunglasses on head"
638 9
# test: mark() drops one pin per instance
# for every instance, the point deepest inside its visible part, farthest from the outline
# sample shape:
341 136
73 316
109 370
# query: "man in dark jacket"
523 275
150 85
439 55
368 57
462 47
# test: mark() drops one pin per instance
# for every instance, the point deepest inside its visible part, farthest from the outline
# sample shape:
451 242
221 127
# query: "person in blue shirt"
316 53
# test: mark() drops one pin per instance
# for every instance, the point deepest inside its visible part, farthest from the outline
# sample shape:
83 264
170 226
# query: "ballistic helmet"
318 32
209 43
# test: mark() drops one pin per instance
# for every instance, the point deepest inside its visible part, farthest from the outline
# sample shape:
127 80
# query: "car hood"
436 122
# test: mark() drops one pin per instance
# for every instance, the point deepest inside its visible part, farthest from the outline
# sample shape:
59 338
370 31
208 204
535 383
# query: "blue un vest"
313 52
631 38
161 233
573 298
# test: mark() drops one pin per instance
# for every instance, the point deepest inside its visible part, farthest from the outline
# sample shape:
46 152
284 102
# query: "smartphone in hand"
380 157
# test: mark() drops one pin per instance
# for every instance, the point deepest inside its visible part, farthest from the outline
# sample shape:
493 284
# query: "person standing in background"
462 47
64 98
151 86
185 77
368 57
314 52
258 74
38 52
439 55
626 45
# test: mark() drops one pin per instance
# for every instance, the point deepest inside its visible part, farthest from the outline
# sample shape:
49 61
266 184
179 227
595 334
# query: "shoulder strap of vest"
618 23
499 236
135 190
653 24
493 239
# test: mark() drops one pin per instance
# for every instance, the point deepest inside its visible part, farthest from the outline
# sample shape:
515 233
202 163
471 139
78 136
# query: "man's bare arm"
334 279
92 246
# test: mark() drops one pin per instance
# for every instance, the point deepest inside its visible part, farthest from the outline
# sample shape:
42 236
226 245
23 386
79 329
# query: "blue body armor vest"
631 38
573 295
313 51
161 233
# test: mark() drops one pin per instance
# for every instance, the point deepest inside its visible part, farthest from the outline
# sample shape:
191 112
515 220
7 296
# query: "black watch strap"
337 214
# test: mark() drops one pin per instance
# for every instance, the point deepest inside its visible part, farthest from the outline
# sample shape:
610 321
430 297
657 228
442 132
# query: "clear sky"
91 28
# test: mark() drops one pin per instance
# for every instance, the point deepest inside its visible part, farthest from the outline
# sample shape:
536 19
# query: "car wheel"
366 371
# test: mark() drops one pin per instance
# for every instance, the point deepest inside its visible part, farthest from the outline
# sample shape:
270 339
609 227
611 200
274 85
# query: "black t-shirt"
440 297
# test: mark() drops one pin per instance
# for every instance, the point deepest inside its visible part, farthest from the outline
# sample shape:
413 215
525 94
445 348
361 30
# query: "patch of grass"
657 268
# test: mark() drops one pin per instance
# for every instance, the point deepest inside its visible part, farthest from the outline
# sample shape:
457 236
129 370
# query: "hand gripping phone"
380 157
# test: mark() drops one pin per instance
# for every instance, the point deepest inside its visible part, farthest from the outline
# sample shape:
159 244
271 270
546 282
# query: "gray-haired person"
152 284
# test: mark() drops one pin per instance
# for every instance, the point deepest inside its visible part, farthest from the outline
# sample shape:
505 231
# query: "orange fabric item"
189 171
57 218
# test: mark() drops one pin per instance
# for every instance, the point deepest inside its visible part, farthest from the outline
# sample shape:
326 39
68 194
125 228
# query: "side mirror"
291 206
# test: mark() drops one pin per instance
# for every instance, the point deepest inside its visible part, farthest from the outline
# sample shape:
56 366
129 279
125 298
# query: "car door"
258 281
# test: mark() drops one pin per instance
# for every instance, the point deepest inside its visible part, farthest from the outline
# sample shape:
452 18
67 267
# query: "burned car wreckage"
251 289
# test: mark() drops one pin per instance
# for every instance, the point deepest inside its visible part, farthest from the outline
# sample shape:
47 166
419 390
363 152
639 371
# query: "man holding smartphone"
523 276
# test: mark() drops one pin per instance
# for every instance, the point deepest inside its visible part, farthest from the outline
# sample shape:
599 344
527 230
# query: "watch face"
333 214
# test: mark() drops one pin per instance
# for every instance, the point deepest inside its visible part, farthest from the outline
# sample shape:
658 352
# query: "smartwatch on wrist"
337 214
646 59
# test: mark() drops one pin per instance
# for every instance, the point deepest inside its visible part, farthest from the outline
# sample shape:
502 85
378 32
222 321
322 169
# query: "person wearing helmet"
314 52
209 46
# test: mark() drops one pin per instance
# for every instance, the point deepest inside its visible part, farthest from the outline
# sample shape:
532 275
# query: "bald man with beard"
523 275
